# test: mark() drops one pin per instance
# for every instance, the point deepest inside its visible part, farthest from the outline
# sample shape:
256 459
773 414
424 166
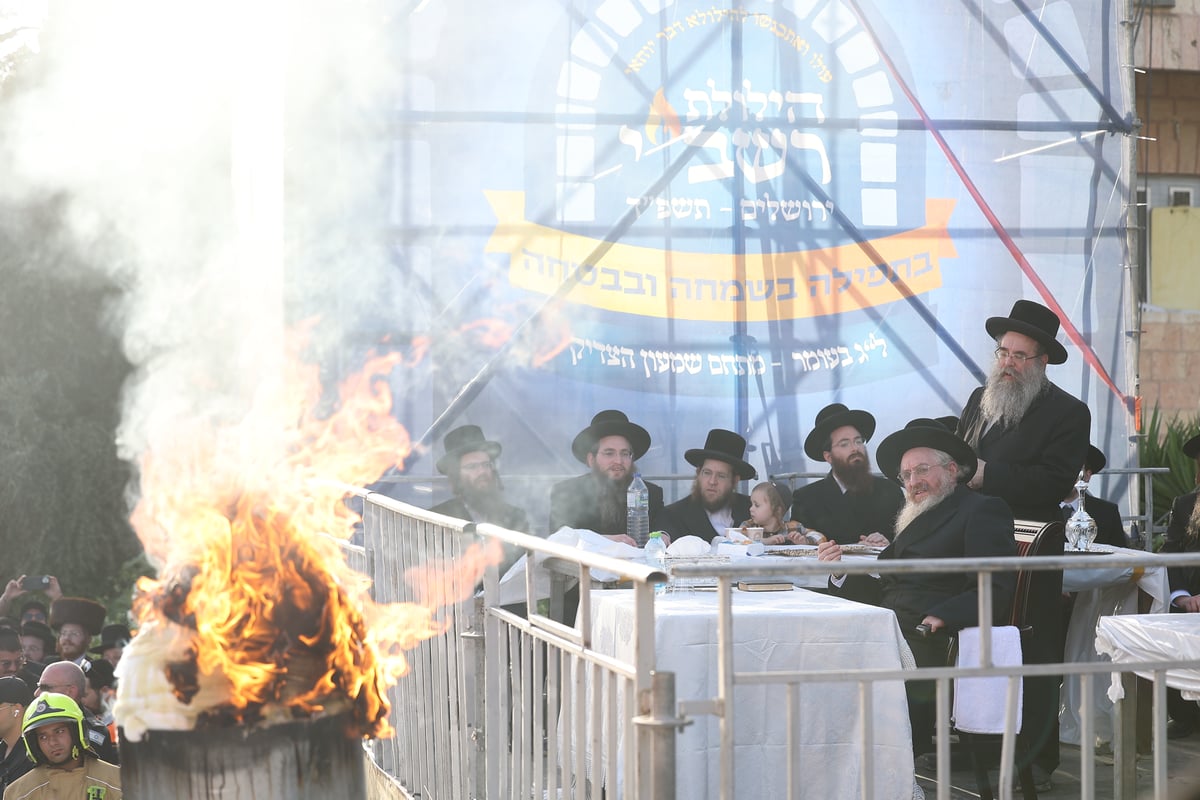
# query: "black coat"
964 525
1182 579
686 517
509 517
823 506
1035 464
575 503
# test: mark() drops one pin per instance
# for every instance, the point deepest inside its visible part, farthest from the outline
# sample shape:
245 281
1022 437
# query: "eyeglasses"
919 471
1020 358
624 455
52 687
857 441
478 466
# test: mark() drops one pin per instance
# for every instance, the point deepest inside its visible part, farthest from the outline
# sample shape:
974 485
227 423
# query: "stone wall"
1170 362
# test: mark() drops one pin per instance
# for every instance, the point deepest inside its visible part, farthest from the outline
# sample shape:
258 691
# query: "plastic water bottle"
637 510
656 556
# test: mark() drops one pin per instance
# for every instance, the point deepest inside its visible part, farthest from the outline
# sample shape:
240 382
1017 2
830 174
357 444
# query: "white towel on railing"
979 703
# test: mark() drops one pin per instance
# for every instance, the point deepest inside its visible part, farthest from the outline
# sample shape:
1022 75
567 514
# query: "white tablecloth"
1155 637
776 631
1101 592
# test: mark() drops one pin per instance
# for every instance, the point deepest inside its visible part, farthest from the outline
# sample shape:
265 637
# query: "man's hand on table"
830 550
875 539
620 537
1187 603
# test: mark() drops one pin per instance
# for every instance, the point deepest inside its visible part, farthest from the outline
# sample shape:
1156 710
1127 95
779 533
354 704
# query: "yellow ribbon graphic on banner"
707 286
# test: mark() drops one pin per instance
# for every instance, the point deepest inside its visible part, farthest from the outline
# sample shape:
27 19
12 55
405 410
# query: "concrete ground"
1183 776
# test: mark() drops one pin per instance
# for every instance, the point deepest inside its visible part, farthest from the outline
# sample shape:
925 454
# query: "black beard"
856 476
612 500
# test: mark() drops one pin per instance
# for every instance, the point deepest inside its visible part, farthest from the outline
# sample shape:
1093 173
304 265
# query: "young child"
767 509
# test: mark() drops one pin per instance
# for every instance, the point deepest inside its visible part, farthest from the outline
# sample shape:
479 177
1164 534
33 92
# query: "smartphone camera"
35 583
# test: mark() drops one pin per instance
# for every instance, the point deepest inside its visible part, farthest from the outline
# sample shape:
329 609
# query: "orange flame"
275 616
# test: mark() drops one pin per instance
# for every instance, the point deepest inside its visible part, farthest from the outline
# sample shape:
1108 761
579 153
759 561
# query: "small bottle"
637 510
656 556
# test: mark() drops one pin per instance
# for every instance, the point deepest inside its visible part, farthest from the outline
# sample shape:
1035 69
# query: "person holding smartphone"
23 585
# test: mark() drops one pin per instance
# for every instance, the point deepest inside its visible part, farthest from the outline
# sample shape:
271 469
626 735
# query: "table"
1155 637
1101 592
776 631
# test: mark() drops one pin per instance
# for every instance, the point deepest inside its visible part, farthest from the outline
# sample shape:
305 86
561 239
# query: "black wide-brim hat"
829 419
610 423
724 446
81 611
1191 448
114 635
1035 321
463 440
40 630
925 433
1094 460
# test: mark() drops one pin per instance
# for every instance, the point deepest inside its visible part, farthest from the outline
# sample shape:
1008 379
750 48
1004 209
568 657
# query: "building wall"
1167 99
1170 361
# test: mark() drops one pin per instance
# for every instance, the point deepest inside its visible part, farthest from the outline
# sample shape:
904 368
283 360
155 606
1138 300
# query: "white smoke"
168 128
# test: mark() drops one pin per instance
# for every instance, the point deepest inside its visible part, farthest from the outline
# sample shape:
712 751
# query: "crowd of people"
56 693
951 487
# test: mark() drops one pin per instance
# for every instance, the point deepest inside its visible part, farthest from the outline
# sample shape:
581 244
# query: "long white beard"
910 511
1004 403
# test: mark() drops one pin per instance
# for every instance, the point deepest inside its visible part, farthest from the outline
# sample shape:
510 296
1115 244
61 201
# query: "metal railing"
509 704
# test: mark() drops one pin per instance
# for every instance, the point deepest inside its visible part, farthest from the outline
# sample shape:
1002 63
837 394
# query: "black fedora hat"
114 635
1191 448
925 433
1094 460
465 439
724 446
81 611
42 631
829 419
1035 321
951 422
610 423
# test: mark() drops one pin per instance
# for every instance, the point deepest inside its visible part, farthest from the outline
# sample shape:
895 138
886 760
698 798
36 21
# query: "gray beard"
910 511
1192 532
1004 403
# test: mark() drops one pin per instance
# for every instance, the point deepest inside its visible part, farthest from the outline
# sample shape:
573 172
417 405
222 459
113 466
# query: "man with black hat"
1183 536
15 697
849 505
113 638
77 620
470 465
37 643
1030 435
596 500
713 505
1109 528
940 518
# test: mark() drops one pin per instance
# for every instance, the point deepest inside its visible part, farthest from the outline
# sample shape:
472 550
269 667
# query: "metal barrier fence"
508 704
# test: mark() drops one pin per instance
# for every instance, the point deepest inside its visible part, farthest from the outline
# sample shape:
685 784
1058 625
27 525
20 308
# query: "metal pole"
662 735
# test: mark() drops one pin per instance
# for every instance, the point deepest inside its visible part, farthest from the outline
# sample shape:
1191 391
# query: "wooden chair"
1035 612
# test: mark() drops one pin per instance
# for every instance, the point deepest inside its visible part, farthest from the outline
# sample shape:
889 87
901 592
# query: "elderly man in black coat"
849 505
940 518
1031 436
1183 536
